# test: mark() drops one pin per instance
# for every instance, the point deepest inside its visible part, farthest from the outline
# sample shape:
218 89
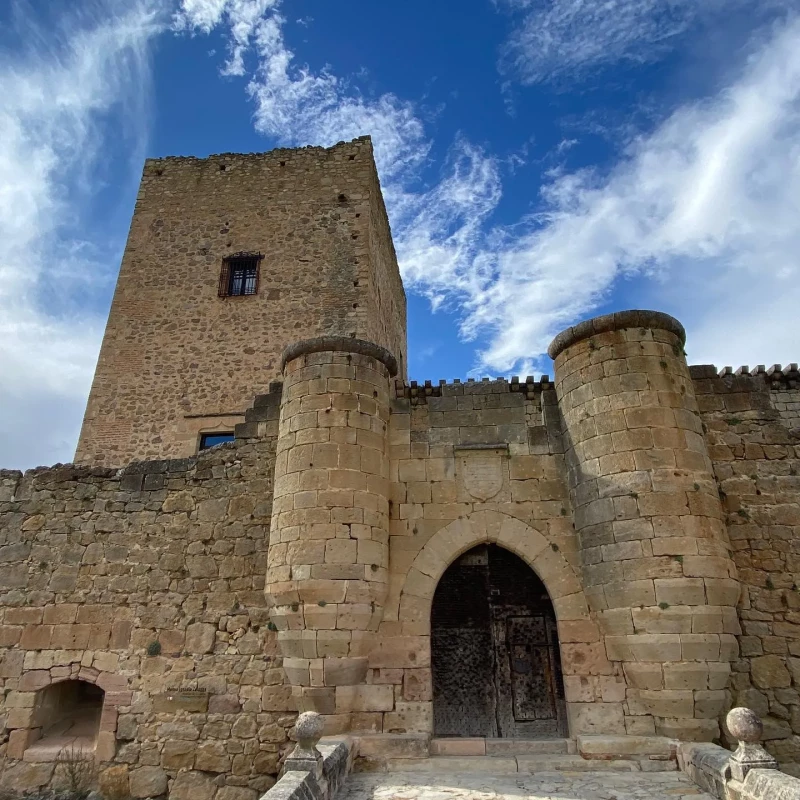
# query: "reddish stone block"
106 746
34 680
111 682
23 616
95 614
70 637
99 636
118 698
10 635
172 642
62 614
19 740
108 719
88 674
36 637
120 635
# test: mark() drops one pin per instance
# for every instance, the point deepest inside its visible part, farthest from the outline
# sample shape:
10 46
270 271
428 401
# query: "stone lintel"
480 446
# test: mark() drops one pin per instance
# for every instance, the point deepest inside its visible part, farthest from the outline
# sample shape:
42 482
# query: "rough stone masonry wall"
177 359
96 566
387 318
787 403
473 463
757 464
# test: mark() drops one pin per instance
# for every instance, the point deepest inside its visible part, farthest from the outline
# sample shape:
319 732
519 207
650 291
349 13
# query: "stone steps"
503 765
457 746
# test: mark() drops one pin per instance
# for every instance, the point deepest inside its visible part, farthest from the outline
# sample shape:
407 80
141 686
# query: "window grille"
239 275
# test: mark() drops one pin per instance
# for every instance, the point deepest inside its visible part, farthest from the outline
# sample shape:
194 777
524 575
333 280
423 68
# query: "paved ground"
541 786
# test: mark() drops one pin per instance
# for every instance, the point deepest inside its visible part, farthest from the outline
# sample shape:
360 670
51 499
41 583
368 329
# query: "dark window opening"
239 276
211 439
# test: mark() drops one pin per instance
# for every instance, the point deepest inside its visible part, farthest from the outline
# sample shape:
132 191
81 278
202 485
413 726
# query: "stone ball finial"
745 725
308 730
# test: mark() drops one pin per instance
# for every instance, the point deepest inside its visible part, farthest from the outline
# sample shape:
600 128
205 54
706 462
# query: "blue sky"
542 161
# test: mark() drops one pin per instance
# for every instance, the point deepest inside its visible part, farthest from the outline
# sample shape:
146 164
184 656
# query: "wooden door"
495 655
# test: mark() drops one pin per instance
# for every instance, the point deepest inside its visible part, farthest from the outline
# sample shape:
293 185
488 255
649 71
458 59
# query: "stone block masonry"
755 449
329 545
654 552
177 359
188 607
213 597
148 583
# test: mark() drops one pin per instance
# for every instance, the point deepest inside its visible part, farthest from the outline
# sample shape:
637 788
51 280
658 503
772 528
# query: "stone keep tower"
229 260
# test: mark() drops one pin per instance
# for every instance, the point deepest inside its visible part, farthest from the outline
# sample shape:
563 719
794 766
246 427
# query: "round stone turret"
328 552
653 545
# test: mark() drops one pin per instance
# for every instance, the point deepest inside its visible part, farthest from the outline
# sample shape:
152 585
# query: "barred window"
239 275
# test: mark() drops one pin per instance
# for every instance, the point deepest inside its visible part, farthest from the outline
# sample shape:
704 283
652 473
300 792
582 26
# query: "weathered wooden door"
494 646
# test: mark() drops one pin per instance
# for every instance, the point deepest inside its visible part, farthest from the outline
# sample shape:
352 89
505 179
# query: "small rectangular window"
211 439
239 275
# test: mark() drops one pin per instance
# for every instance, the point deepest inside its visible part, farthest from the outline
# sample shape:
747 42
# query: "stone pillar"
328 551
653 545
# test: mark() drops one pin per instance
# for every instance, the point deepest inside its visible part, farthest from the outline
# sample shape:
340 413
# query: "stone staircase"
503 765
416 753
504 756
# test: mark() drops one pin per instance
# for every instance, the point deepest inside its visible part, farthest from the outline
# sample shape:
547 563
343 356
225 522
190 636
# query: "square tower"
229 260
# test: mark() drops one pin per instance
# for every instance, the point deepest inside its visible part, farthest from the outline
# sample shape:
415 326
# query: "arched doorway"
494 650
66 715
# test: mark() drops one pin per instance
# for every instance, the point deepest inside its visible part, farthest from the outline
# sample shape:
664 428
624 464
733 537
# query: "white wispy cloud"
57 94
696 212
703 210
243 18
556 39
296 106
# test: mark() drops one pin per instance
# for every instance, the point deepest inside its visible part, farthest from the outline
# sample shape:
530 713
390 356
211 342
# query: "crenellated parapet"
417 393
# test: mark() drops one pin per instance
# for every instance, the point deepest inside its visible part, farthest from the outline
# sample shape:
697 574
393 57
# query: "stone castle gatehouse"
266 516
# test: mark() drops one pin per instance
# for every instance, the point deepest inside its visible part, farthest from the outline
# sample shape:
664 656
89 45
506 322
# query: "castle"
265 516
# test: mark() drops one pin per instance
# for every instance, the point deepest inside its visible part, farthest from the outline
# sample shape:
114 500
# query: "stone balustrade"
750 773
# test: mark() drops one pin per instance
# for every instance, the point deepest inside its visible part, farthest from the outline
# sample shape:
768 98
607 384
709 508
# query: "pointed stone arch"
491 527
594 691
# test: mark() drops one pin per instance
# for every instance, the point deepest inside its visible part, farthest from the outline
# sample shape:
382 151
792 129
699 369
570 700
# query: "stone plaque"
181 700
481 470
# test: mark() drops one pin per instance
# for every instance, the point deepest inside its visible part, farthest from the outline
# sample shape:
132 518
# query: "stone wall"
328 553
472 463
787 404
386 321
148 583
659 506
757 465
177 359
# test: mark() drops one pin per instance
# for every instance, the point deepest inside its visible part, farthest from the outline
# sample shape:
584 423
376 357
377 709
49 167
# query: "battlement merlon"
293 156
